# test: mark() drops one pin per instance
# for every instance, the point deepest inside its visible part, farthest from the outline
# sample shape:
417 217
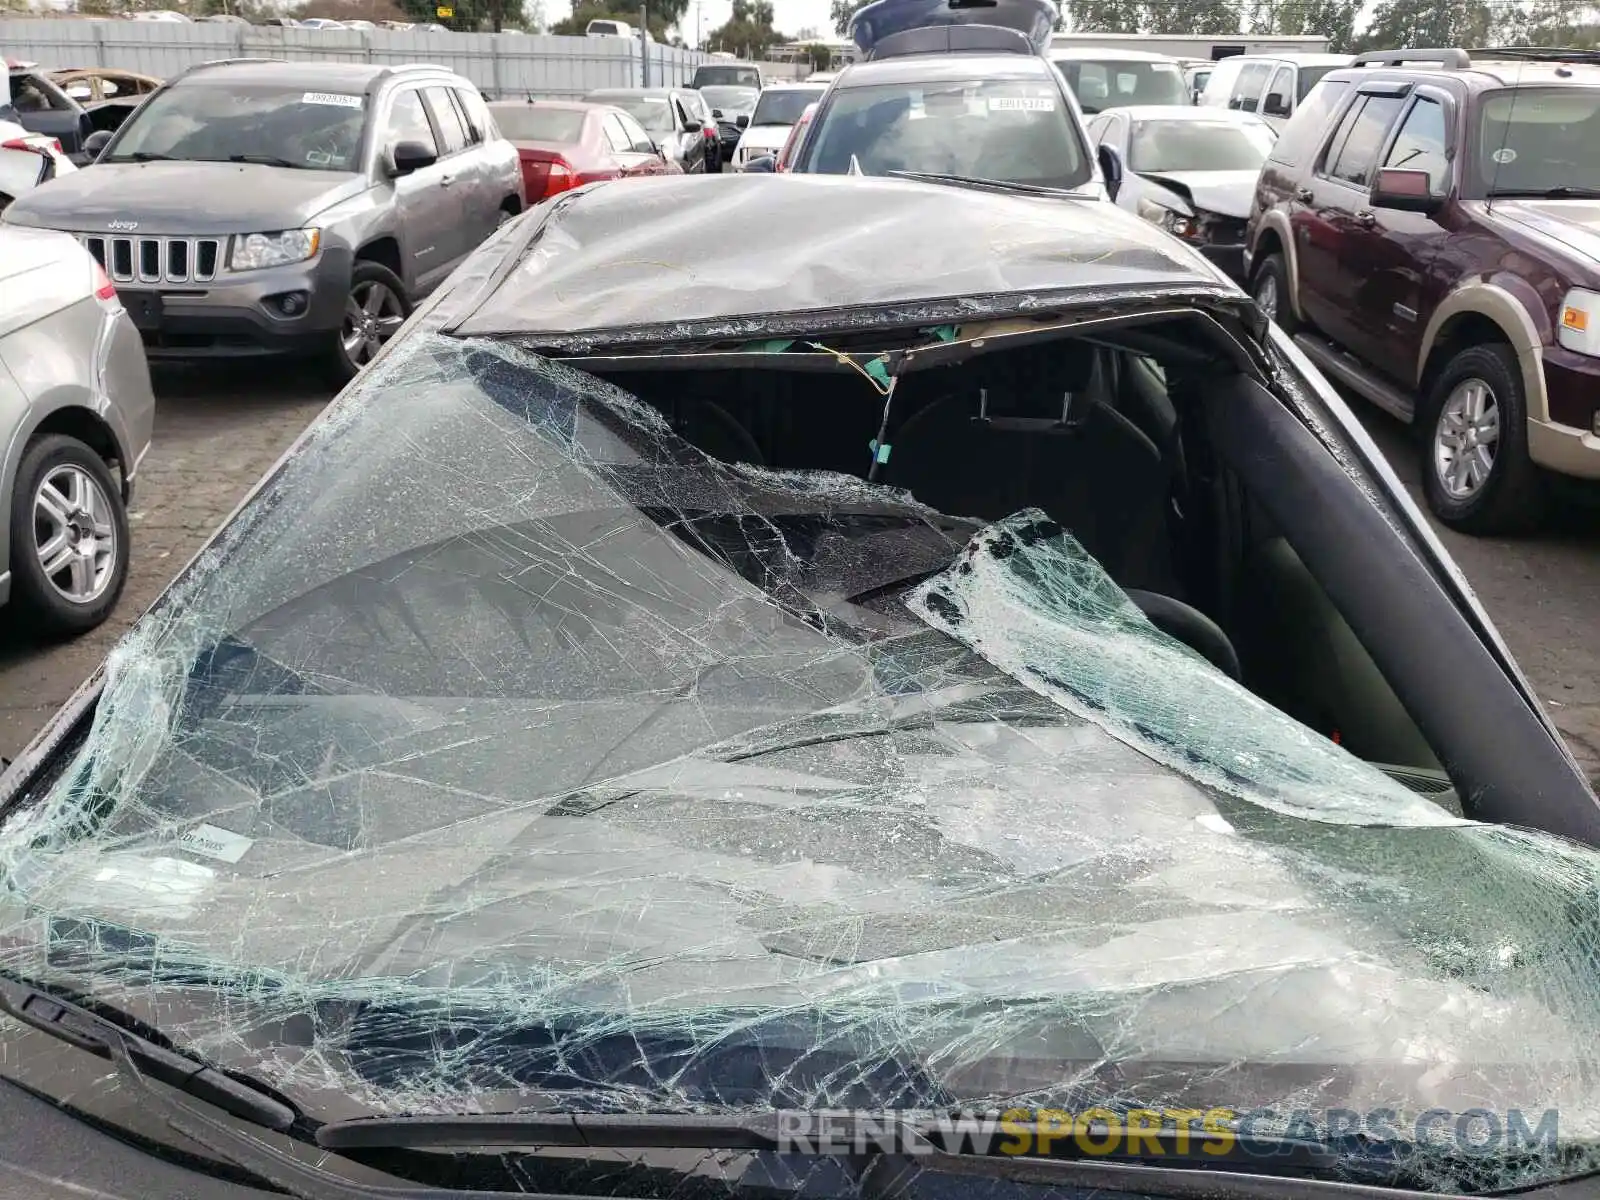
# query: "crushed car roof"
607 258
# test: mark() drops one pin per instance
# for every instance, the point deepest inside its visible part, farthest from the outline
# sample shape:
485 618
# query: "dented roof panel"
673 254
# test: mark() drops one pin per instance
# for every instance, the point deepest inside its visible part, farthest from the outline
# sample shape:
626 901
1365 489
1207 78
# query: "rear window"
1015 130
1309 78
1304 131
707 76
1117 83
530 123
608 28
780 107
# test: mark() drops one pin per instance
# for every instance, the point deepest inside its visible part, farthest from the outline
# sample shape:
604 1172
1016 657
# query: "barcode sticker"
1021 104
334 98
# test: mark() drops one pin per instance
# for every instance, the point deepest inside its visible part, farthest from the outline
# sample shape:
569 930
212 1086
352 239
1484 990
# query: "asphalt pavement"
218 429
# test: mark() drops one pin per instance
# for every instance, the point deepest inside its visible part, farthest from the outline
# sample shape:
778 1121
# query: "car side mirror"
1275 105
410 156
1110 168
742 121
765 163
1406 190
96 142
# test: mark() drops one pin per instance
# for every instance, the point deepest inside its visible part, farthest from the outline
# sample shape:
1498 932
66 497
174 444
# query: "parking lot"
218 430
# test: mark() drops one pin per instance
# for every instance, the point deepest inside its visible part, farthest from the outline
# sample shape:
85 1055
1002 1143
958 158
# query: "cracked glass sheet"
620 259
506 751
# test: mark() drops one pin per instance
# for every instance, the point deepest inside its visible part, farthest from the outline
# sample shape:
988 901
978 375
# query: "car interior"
1110 438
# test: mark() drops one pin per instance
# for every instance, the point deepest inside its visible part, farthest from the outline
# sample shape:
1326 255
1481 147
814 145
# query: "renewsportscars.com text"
1154 1132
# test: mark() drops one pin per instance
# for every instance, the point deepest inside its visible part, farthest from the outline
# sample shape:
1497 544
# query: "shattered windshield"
507 746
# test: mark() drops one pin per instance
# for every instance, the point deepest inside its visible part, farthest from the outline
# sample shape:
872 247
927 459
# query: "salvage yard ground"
219 428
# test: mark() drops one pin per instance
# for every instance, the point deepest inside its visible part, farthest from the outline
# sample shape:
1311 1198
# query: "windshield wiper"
145 156
88 1031
1561 192
973 181
265 160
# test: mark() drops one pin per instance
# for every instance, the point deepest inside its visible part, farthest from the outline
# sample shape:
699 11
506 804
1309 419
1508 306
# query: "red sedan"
564 144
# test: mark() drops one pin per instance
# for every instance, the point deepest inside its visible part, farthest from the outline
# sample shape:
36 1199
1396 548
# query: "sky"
790 16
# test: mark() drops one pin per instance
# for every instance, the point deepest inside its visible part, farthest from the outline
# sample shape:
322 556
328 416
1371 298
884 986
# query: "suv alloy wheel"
1476 470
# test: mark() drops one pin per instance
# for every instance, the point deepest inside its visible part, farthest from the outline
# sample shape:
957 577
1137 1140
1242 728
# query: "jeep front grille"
155 259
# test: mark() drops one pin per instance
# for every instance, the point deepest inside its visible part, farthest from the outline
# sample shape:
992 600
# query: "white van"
1269 85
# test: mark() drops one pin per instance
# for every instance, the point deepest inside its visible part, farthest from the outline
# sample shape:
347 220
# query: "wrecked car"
962 660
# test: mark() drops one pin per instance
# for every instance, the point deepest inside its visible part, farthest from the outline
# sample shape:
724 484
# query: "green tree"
615 10
748 32
1397 24
1105 16
840 12
1189 16
1555 23
1332 19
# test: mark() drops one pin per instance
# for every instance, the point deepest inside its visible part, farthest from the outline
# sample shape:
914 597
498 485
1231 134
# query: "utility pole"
644 44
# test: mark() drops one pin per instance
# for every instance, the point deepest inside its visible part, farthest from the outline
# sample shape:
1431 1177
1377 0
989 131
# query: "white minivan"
1269 85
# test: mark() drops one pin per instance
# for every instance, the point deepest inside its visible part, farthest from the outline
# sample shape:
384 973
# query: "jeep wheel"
1476 470
69 537
374 310
1271 291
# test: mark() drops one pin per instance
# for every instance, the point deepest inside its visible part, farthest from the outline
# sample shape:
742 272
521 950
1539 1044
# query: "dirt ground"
217 430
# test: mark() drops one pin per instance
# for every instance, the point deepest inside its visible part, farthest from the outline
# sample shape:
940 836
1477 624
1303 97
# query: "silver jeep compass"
258 207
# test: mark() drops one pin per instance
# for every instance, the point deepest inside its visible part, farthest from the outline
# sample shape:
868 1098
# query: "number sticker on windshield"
333 98
1021 104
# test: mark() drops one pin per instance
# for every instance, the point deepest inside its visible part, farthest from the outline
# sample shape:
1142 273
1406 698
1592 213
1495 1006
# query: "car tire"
66 508
1475 466
356 343
1269 287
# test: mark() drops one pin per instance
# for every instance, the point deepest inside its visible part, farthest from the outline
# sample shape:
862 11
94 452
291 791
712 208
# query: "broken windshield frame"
367 693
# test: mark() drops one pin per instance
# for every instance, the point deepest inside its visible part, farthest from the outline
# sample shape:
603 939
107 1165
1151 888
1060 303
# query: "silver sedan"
75 415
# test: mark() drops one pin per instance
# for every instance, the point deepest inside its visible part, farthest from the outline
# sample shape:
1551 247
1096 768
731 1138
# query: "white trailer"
1210 48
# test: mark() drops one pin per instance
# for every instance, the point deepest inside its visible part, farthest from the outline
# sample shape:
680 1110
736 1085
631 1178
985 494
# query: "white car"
27 160
776 113
1192 171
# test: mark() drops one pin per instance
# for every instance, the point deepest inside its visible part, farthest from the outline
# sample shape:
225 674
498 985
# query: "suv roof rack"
1453 59
225 62
1540 53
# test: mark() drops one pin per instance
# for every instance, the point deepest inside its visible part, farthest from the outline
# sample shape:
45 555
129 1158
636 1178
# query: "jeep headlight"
1176 223
254 250
1578 326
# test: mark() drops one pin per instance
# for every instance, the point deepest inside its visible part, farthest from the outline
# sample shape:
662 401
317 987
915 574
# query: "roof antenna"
1500 154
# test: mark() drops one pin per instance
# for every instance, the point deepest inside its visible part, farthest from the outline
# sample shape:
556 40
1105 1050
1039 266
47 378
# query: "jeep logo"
123 226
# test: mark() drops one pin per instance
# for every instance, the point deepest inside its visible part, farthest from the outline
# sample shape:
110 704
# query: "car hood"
1574 224
160 197
605 777
1227 193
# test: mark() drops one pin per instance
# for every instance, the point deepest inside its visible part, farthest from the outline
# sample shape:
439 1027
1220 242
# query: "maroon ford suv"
1428 227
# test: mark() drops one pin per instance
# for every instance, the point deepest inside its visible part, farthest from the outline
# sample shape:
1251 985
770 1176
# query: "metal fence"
501 64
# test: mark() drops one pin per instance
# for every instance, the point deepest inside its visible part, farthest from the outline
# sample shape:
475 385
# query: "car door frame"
69 125
1320 222
419 215
460 178
1275 120
1390 311
1237 101
631 161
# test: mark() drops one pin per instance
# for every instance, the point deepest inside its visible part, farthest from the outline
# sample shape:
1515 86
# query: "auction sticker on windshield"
334 98
216 842
1021 104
